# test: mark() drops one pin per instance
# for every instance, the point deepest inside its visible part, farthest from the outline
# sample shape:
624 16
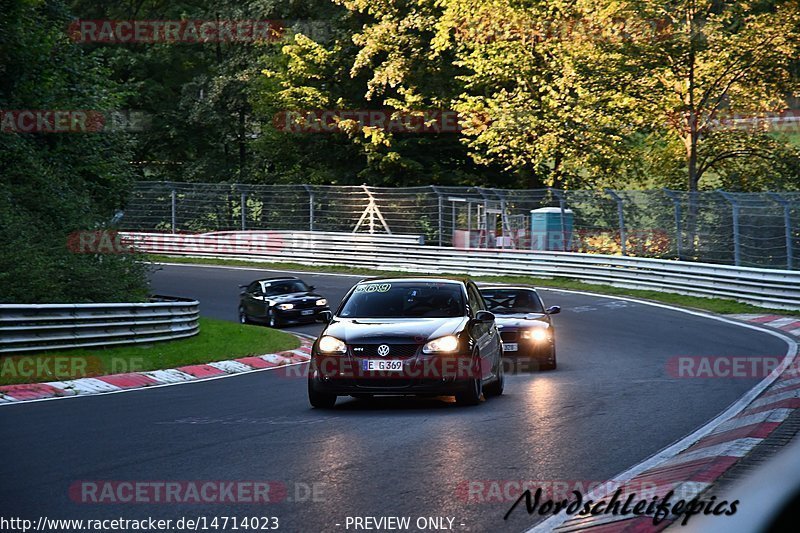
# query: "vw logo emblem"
383 350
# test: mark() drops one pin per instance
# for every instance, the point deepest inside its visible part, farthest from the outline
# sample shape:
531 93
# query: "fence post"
174 197
441 212
621 216
787 223
244 210
678 229
503 219
737 252
562 203
310 192
485 217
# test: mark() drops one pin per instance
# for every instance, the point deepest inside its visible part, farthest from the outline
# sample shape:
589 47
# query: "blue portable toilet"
547 232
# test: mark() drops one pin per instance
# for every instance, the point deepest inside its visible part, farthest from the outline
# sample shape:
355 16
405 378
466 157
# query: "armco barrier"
778 289
38 327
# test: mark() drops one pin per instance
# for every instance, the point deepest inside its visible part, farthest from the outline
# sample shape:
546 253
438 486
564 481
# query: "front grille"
305 305
395 350
509 336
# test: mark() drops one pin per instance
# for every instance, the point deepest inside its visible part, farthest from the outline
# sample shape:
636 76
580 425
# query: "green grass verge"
218 340
714 305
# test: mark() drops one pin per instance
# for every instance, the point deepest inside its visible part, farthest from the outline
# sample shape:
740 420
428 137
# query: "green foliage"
54 184
684 68
374 57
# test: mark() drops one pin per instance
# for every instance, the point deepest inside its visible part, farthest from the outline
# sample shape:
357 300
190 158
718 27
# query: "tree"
690 66
375 56
521 66
52 184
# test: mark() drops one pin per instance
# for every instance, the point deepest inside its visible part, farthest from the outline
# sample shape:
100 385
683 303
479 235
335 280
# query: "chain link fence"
744 229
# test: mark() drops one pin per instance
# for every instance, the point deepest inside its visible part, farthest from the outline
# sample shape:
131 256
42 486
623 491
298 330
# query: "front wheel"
243 316
549 363
471 396
320 400
497 386
273 320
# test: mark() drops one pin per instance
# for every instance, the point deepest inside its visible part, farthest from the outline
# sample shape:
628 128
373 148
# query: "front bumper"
421 374
527 348
299 315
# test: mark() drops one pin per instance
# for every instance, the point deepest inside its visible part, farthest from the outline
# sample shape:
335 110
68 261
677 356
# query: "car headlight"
328 344
285 307
322 301
441 345
536 335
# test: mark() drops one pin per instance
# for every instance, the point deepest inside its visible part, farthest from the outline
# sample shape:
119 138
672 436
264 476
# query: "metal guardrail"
778 289
39 327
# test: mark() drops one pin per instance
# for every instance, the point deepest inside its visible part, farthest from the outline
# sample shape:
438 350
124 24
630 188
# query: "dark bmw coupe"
525 325
408 336
280 301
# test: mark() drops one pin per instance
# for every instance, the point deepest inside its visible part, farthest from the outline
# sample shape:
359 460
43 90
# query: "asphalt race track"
610 404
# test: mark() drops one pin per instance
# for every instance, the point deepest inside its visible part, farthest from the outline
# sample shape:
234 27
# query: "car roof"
280 278
506 287
421 279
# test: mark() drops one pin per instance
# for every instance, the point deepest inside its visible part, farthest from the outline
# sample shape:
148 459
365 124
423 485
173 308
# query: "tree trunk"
242 145
690 142
557 174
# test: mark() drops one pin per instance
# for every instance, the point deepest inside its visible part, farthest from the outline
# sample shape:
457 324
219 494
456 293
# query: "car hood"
393 330
522 320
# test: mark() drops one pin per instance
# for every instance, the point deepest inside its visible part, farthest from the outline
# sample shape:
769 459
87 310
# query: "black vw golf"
279 301
408 336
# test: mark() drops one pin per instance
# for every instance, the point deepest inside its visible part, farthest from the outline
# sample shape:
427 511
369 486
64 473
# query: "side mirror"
326 316
312 288
554 310
484 316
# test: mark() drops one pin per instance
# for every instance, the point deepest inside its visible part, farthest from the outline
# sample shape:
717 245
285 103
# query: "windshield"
404 300
273 288
511 301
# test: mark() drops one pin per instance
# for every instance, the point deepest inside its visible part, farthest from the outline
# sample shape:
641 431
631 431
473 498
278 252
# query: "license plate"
381 365
510 347
306 312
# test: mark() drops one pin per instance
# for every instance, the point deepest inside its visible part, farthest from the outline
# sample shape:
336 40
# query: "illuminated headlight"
441 345
285 307
322 301
536 335
328 344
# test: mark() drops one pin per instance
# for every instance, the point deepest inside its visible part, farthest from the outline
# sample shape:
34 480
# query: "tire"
243 316
471 396
496 387
549 363
320 400
272 320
